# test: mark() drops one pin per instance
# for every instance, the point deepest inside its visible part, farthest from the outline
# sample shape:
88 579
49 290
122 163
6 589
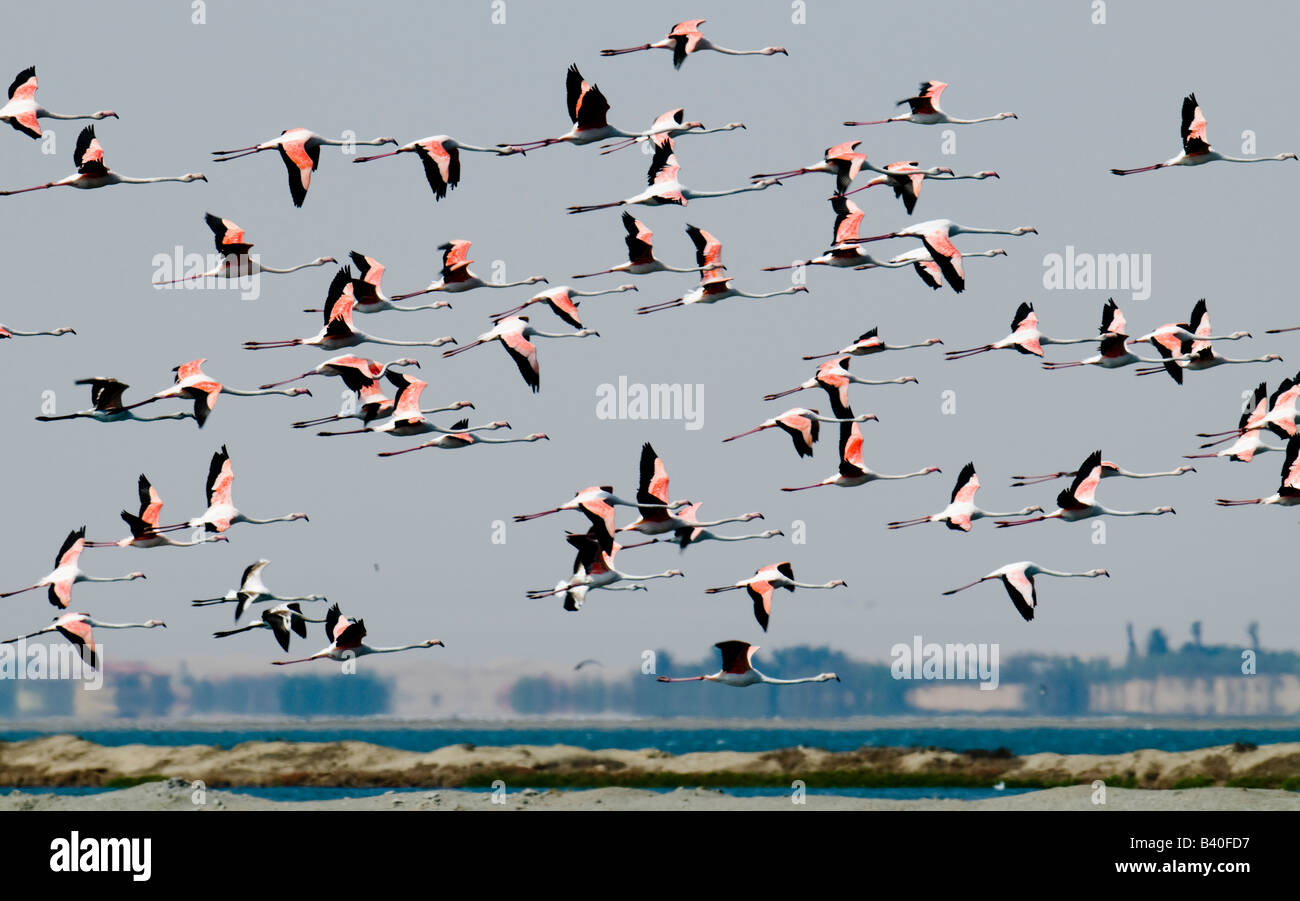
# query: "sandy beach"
177 794
1212 776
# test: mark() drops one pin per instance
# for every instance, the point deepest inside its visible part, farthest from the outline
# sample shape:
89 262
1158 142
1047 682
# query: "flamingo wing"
1023 592
947 257
71 548
761 594
1084 487
1192 128
78 632
848 219
229 237
736 656
927 100
653 482
150 502
851 464
300 159
524 353
88 154
639 240
587 105
221 477
967 484
441 166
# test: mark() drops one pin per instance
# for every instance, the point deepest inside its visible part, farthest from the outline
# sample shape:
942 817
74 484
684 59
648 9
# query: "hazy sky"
1089 97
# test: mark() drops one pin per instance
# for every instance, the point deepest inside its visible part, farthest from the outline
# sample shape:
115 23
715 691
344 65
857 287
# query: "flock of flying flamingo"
1180 348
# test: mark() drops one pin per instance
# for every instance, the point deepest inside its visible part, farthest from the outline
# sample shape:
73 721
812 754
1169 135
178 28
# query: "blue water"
314 793
1064 740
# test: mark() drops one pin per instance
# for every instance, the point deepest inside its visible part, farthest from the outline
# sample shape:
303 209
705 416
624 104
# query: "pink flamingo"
924 109
67 572
92 173
407 417
1248 439
714 284
1018 579
458 439
440 156
665 188
669 125
346 641
337 366
834 378
23 113
281 619
685 38
1109 470
853 471
1196 147
562 302
222 513
961 511
235 259
656 516
1025 337
803 426
738 671
764 582
514 333
597 503
106 405
252 590
1078 501
1288 492
368 290
456 277
870 343
76 628
640 252
144 523
339 330
300 151
594 568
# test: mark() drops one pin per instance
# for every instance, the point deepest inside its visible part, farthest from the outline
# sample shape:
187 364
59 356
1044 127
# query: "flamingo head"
105 114
1186 469
771 51
933 341
155 623
538 436
1024 230
1007 116
839 583
751 516
768 182
65 330
1289 156
298 392
302 516
499 424
1273 357
193 176
586 333
800 289
434 643
1162 510
930 469
988 173
910 378
136 575
827 677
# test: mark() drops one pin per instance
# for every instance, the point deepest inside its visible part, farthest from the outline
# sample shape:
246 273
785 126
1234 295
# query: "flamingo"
106 405
236 262
665 189
594 568
669 125
562 302
76 628
1018 579
368 290
924 109
803 425
22 112
92 173
144 523
374 404
868 343
440 156
764 582
1113 354
961 511
685 38
1196 147
456 277
1112 320
1190 337
281 620
597 503
848 220
346 641
67 572
936 235
222 512
1288 492
337 366
923 262
640 252
192 383
738 671
693 533
1025 337
252 590
6 332
339 330
1247 439
840 160
514 333
300 151
1206 358
853 471
834 378
1281 417
407 418
907 178
459 438
656 516
1077 502
1109 470
587 109
714 284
